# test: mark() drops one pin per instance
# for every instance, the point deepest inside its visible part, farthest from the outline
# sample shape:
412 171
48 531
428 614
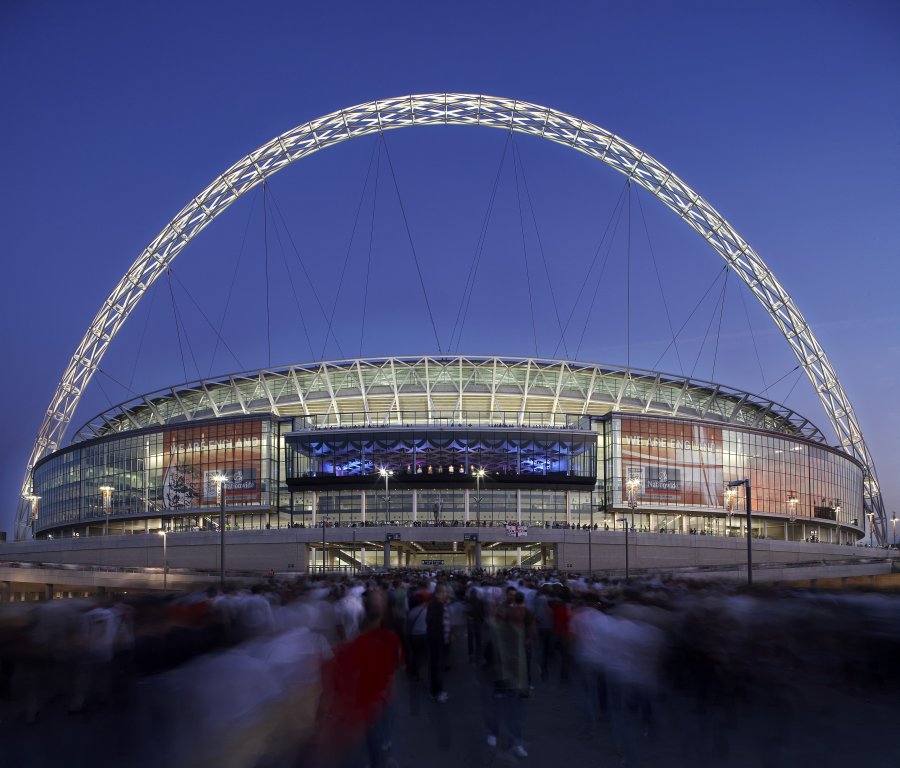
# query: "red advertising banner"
676 463
194 457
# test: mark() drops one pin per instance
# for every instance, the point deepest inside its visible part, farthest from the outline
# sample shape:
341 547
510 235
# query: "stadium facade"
494 444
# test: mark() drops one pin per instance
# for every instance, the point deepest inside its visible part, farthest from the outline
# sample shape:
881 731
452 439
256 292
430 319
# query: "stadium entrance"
434 556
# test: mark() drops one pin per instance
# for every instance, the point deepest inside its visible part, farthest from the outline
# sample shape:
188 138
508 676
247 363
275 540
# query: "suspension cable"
177 326
603 265
719 329
290 278
315 293
105 393
586 280
184 288
116 381
469 288
140 345
659 283
693 311
780 378
412 246
525 249
376 147
752 337
362 329
712 318
265 188
234 275
791 390
537 233
628 282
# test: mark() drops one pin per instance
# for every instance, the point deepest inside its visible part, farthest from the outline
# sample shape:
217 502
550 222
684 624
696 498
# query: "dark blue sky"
785 116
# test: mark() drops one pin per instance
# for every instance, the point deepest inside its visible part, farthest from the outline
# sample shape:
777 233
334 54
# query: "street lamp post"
106 490
837 518
894 534
479 476
746 484
624 521
386 474
632 486
324 518
590 541
871 520
220 481
162 532
34 499
792 503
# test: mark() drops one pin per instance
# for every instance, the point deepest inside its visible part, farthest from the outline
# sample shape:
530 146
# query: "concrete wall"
288 549
654 550
259 551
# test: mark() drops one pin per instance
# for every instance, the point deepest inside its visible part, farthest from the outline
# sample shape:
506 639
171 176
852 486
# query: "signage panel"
675 463
193 457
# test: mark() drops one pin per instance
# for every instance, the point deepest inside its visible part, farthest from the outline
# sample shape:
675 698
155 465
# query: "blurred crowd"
311 672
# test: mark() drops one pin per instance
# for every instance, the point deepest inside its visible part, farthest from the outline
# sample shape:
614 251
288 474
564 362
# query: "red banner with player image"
196 456
674 463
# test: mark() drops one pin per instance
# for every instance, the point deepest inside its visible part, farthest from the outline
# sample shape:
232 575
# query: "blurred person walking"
438 635
508 664
360 701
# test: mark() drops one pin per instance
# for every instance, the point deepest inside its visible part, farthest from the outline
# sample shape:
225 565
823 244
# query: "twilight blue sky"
784 115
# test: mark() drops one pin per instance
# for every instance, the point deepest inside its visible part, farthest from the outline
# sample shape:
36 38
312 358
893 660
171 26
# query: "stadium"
477 445
453 460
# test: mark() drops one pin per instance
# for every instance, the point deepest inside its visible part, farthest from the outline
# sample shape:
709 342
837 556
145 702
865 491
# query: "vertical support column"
466 505
48 591
302 563
785 531
387 554
568 508
315 508
5 591
415 501
362 505
518 505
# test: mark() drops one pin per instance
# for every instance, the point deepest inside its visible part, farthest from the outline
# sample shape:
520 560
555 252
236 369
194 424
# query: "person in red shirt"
361 685
562 634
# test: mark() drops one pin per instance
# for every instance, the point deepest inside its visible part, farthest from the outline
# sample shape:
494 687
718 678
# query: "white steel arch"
452 109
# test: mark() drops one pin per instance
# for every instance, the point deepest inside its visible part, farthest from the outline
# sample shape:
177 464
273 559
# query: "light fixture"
730 495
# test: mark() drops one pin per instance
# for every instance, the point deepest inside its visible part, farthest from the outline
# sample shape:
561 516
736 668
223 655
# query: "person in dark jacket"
438 633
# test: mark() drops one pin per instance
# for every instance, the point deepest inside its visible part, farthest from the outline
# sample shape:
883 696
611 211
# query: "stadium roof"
392 390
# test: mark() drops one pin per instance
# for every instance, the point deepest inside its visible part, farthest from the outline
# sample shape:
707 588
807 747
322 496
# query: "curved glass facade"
131 482
684 466
539 470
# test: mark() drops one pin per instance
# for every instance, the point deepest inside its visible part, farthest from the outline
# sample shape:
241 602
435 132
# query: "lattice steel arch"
453 109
